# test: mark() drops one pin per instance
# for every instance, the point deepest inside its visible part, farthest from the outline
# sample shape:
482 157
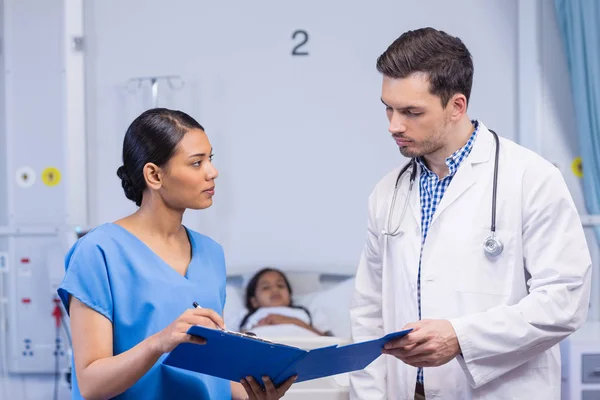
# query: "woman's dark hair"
251 292
444 58
151 138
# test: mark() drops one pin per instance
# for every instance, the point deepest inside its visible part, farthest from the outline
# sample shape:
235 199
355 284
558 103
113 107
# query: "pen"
196 305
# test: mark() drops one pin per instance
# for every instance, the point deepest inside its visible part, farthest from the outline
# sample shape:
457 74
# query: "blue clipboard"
234 356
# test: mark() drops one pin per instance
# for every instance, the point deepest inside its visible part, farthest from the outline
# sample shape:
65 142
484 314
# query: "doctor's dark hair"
251 292
151 138
444 58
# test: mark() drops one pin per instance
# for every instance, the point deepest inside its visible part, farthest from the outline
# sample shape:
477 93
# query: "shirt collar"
454 161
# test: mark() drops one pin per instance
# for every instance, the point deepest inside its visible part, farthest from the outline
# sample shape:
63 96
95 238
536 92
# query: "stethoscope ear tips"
492 246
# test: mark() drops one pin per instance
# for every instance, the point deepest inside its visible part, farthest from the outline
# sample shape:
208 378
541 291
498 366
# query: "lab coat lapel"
465 176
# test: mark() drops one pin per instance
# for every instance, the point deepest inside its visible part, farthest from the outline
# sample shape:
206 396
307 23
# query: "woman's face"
189 177
271 291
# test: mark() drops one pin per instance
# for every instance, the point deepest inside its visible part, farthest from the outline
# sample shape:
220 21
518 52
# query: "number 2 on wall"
295 51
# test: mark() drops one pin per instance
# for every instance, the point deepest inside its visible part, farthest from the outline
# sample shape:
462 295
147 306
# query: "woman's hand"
167 339
270 392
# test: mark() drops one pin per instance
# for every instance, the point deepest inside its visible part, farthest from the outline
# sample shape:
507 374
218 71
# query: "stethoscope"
492 246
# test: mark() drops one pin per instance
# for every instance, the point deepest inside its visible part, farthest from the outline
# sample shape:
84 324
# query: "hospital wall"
300 140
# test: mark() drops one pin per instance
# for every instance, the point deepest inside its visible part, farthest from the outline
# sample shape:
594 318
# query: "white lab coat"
509 313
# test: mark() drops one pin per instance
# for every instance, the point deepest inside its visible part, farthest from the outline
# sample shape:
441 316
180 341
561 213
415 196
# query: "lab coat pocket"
480 273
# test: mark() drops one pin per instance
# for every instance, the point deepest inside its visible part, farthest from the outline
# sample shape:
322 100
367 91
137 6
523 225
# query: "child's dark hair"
251 292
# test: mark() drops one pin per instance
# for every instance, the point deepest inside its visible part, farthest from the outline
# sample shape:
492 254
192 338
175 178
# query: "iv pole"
154 80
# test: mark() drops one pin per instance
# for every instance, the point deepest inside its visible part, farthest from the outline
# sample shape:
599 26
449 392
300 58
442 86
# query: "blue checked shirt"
432 190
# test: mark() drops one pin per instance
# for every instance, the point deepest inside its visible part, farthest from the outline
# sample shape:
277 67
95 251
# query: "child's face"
271 291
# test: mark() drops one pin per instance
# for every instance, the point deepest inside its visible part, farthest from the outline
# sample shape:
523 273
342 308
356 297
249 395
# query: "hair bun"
121 172
127 184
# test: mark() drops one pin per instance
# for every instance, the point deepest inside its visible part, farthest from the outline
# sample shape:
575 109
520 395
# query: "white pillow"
235 307
330 308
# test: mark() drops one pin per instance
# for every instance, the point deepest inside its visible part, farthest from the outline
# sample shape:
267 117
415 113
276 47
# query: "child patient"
269 303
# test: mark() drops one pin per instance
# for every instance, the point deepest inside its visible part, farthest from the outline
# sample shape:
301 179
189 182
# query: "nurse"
129 285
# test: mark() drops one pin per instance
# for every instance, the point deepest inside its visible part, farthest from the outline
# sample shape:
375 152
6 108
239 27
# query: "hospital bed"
327 297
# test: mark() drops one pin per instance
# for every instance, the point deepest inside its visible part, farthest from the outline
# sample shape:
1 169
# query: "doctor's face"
271 291
418 122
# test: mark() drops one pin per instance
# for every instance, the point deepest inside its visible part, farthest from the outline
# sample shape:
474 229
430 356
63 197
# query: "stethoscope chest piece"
493 246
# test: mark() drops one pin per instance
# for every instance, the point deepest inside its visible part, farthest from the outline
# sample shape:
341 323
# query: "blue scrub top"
117 275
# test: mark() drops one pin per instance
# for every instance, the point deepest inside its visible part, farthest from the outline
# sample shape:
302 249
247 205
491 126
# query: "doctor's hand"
167 339
270 392
431 343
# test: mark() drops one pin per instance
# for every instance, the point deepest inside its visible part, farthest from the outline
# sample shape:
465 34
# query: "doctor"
484 257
